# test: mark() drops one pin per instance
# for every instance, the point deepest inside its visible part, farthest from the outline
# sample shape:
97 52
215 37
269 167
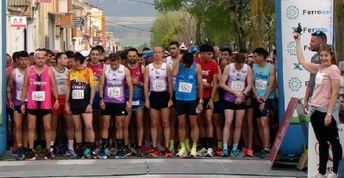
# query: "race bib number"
261 84
78 94
61 89
159 85
136 103
114 92
318 78
38 95
185 87
237 85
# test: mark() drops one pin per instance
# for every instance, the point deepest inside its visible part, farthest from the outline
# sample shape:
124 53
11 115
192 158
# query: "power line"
143 2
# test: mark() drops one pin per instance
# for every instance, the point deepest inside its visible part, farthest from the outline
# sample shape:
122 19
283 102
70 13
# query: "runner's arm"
101 84
199 80
129 83
146 82
272 83
169 80
92 86
175 67
9 87
213 91
53 85
25 86
249 81
224 79
310 67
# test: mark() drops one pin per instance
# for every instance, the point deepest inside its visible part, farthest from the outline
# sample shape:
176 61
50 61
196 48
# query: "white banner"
18 21
313 15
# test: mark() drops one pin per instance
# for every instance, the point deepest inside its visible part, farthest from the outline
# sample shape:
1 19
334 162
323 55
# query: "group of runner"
126 104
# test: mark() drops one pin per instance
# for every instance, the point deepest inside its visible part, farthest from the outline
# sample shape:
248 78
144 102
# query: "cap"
147 54
320 34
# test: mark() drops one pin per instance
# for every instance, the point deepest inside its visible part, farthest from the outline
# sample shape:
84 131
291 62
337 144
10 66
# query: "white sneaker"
332 175
193 153
210 152
202 152
318 175
182 153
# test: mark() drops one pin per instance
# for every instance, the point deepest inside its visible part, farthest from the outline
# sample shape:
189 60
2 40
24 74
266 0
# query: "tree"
339 21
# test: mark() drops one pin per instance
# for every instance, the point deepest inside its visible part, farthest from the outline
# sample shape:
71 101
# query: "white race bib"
61 89
78 94
114 92
136 103
185 87
38 95
261 84
318 78
238 85
159 85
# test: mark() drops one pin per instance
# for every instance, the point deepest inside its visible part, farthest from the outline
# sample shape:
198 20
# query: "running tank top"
61 81
97 71
237 80
137 90
39 89
157 78
262 76
17 87
114 85
186 83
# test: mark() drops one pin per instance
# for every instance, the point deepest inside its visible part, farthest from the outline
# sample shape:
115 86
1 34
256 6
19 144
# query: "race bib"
38 95
238 85
61 89
261 84
18 96
185 87
159 85
318 78
114 92
78 94
136 103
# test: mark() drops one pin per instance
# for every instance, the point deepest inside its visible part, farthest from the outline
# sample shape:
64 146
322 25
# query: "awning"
19 2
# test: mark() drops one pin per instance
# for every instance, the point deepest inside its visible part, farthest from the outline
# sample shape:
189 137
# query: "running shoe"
209 153
236 153
249 152
182 153
103 153
168 153
140 152
218 152
87 153
225 153
30 155
133 151
318 175
244 150
49 154
120 154
71 154
127 152
332 175
202 152
154 153
193 153
20 154
264 154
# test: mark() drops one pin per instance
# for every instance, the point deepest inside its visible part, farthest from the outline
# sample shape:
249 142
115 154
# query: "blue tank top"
262 77
186 83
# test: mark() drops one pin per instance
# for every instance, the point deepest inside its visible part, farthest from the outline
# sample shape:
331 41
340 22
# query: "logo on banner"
297 66
293 12
295 84
291 48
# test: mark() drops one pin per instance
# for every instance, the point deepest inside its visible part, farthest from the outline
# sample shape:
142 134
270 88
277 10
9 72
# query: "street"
161 167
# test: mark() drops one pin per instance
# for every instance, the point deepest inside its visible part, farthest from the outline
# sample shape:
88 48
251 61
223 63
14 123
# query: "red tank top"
137 73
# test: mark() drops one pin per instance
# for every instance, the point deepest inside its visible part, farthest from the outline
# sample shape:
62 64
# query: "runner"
264 76
97 68
14 90
174 55
237 82
113 81
79 98
39 84
210 71
61 75
137 71
186 73
158 98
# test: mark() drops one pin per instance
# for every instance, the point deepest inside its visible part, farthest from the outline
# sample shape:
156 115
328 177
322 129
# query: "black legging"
325 134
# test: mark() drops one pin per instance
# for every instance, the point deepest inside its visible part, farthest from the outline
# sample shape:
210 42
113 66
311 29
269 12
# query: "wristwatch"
201 101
